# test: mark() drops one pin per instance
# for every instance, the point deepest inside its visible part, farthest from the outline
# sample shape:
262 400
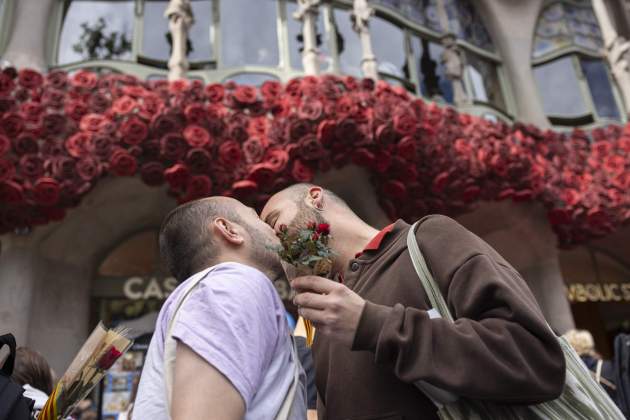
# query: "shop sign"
598 292
136 288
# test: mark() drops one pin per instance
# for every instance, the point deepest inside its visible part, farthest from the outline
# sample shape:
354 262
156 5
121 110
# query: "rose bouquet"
308 252
98 354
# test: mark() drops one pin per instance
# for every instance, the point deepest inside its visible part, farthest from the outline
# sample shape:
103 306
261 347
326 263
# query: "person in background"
34 374
602 370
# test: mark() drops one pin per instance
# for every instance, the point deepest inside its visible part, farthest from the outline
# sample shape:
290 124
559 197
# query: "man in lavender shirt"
234 356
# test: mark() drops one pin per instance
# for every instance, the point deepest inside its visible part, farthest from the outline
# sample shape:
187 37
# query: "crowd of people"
223 349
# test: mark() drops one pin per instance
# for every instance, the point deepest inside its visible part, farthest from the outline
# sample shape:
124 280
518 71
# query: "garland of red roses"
59 134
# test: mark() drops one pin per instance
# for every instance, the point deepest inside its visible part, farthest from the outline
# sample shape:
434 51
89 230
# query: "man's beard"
264 252
304 216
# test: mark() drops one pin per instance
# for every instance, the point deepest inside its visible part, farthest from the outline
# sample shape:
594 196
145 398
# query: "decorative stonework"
452 59
307 13
360 16
180 16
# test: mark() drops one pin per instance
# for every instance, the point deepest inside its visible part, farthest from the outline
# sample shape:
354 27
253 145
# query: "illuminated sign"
598 292
136 288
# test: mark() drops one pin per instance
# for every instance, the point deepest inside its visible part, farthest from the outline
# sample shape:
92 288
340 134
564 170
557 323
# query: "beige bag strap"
598 371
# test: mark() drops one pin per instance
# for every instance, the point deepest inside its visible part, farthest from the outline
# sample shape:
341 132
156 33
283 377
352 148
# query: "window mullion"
283 35
584 87
331 31
138 29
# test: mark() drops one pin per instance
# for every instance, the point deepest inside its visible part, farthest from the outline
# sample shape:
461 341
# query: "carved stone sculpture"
307 13
180 16
453 61
360 16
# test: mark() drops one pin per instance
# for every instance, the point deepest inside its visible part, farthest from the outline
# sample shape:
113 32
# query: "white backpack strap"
287 404
598 372
170 344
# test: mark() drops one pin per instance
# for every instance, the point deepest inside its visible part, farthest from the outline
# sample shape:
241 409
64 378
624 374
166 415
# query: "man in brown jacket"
375 337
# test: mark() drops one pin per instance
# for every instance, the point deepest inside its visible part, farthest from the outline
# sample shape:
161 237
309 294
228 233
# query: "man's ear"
315 198
228 230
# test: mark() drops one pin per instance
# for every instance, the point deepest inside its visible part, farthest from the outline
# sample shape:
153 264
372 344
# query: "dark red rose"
62 167
99 102
323 229
311 110
277 159
258 126
347 130
6 85
298 129
11 192
7 169
523 195
77 144
471 193
30 79
244 189
88 168
198 186
271 89
177 176
407 148
230 153
6 104
326 132
134 131
152 104
385 134
173 146
350 82
108 358
76 110
440 181
198 160
12 125
54 124
395 190
197 136
363 157
57 79
245 95
100 145
301 172
253 150
123 164
151 149
294 88
46 192
124 105
152 173
52 147
84 79
215 92
311 148
178 86
31 166
93 122
262 174
5 145
53 98
22 95
26 144
196 114
165 123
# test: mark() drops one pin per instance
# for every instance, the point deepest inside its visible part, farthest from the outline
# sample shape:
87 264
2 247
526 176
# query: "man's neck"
273 275
348 238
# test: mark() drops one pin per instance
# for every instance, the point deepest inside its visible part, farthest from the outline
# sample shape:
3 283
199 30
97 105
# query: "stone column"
617 50
360 16
180 16
307 13
29 32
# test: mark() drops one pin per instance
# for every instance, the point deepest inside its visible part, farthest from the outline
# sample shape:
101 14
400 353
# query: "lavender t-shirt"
235 320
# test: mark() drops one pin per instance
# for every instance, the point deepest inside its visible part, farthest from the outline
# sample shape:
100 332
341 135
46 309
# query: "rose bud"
323 229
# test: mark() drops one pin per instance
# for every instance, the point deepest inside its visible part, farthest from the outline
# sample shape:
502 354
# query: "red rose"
100 145
198 160
262 174
84 79
178 86
230 153
440 181
12 125
165 123
385 134
7 169
350 82
6 104
30 79
152 173
99 102
11 192
6 85
177 176
326 132
363 157
88 168
77 144
46 192
347 130
215 92
5 145
346 106
54 124
271 89
196 114
123 164
26 143
244 189
124 105
198 186
294 88
311 148
471 193
301 172
253 150
53 98
62 167
407 148
31 166
134 131
298 129
245 95
76 110
277 159
173 146
323 229
108 359
311 110
93 122
395 190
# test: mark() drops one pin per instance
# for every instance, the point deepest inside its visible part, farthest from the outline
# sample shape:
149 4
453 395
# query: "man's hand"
333 309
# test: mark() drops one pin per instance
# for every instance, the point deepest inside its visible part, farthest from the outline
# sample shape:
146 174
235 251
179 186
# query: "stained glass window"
564 25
